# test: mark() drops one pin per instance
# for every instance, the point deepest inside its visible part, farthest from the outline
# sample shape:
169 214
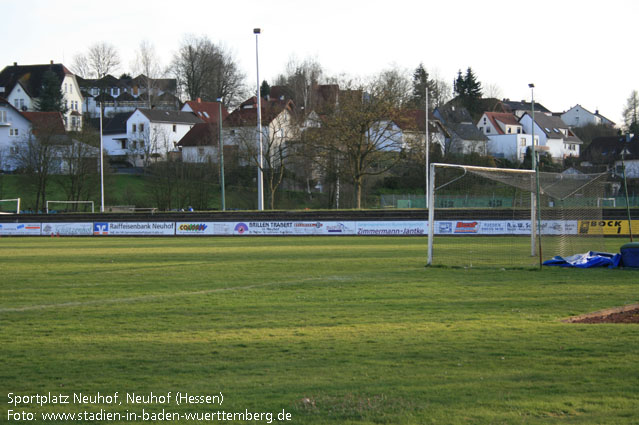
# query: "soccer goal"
76 206
9 203
484 216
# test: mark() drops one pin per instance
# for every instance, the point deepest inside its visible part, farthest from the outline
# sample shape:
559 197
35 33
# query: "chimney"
15 64
199 100
51 61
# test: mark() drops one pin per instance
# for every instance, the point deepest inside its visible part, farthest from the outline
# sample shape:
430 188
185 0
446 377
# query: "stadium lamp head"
257 31
531 85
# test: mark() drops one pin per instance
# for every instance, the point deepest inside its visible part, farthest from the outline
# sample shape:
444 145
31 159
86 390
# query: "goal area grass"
333 330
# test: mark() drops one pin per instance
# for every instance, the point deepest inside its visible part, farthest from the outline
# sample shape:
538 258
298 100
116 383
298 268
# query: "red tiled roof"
203 134
246 114
503 117
208 111
46 121
414 120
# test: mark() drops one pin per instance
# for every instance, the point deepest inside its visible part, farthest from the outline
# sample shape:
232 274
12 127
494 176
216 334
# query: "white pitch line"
142 298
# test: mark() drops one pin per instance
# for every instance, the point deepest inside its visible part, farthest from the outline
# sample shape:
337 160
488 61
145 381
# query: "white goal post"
16 200
600 201
504 203
71 202
431 198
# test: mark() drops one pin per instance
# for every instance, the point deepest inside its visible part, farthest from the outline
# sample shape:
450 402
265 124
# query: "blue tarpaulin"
584 261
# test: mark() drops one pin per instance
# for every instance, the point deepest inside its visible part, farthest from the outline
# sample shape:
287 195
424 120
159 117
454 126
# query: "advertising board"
392 228
67 229
153 228
20 229
294 228
607 227
210 228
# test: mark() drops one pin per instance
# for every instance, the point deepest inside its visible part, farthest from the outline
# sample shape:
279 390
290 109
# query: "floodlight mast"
533 156
536 168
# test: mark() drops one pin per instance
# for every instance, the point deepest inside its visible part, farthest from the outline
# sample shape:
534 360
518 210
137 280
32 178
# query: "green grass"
334 330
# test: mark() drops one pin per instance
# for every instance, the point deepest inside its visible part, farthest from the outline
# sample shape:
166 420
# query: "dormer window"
518 130
509 130
115 91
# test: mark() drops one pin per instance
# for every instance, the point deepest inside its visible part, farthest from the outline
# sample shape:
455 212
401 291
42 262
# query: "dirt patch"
625 314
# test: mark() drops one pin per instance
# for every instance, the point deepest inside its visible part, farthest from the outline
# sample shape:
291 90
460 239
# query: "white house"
21 85
554 136
127 94
578 116
153 133
114 136
19 130
278 127
506 136
14 127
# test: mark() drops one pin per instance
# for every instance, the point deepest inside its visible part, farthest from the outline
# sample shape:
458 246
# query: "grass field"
334 330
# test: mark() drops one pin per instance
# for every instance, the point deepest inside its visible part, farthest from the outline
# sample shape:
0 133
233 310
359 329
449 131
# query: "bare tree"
300 80
207 71
492 90
80 158
100 60
631 113
148 65
362 133
37 154
278 135
148 145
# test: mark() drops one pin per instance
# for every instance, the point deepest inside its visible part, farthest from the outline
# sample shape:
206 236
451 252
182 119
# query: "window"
65 88
115 91
133 129
509 130
74 122
522 142
3 116
71 88
141 128
174 128
487 129
518 130
13 132
123 144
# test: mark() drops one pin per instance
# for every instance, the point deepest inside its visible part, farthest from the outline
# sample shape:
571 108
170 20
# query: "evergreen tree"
51 97
436 90
471 85
467 90
265 89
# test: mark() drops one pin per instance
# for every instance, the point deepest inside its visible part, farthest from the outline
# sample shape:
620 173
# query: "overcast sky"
574 51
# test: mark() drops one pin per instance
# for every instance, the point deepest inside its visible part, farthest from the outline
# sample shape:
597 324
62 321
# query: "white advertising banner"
152 228
294 228
20 229
392 228
67 229
504 227
211 228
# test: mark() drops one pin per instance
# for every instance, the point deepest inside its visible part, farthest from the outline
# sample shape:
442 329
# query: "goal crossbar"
16 200
71 202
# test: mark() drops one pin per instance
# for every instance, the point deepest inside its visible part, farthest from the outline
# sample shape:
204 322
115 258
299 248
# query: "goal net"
10 206
69 206
483 216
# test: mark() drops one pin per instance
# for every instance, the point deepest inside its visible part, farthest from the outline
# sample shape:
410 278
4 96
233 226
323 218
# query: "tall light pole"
101 164
426 142
535 166
260 174
221 149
